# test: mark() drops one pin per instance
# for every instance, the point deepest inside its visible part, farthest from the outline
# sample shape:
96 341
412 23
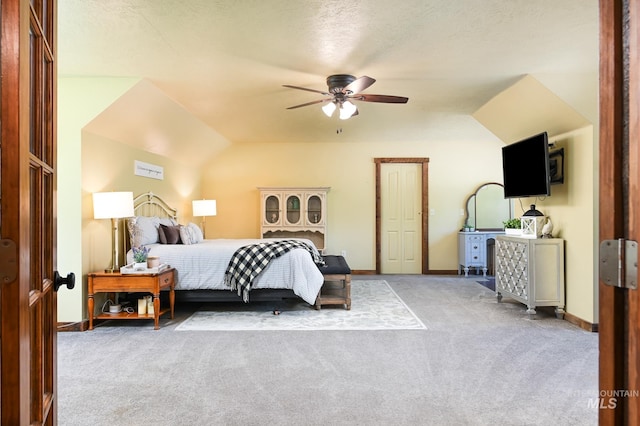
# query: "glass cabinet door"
293 209
272 209
314 210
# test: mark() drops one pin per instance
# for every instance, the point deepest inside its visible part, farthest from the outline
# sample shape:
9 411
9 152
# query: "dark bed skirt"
258 295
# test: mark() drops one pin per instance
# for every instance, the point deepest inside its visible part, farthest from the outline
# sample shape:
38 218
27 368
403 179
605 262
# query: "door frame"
424 162
619 196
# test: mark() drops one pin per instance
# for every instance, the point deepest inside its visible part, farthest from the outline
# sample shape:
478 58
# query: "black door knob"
69 281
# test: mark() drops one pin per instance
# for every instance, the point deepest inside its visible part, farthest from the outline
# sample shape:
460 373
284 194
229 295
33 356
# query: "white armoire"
294 212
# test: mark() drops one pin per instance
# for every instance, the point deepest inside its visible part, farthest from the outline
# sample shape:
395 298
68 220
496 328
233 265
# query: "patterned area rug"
374 306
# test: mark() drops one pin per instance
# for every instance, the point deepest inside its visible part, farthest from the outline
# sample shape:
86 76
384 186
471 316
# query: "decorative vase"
512 231
153 262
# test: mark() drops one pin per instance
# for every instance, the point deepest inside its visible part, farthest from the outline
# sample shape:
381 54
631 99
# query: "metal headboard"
149 204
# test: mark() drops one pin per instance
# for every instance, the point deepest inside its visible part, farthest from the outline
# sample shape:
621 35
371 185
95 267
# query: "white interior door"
401 224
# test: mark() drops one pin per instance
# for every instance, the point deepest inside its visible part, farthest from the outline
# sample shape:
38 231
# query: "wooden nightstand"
104 282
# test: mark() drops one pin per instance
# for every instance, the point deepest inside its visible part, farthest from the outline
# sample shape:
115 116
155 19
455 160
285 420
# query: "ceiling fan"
344 88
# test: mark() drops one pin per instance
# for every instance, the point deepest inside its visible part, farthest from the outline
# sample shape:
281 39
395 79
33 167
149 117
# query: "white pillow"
167 221
187 235
191 234
197 232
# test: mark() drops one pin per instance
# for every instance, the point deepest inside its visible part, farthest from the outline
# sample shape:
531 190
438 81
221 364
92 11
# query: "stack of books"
129 269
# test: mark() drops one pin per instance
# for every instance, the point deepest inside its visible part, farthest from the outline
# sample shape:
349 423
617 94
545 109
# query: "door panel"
27 217
391 224
422 203
393 254
401 198
410 248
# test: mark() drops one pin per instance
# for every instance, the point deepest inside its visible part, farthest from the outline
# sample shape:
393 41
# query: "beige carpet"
480 363
374 306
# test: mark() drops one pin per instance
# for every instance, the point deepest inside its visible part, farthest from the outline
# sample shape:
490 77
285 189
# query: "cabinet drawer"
474 238
166 279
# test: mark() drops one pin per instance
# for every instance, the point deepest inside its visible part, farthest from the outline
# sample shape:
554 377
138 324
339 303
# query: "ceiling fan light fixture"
342 89
346 110
329 108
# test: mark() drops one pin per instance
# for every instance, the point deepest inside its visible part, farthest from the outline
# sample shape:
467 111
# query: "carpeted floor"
375 306
478 363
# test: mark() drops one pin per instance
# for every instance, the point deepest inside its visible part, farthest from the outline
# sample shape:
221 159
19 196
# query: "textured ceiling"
225 61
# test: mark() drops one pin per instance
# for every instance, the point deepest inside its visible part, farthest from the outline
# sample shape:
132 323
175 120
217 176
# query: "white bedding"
202 266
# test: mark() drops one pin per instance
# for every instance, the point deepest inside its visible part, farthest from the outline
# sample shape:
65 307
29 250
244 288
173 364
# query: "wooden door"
619 310
401 219
401 224
27 215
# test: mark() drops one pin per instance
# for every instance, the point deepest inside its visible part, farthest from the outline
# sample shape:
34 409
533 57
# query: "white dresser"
531 271
473 251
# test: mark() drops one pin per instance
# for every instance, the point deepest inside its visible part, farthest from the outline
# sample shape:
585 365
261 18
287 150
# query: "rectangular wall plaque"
148 170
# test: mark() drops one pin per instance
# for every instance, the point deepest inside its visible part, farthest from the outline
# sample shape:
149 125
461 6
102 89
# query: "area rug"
374 306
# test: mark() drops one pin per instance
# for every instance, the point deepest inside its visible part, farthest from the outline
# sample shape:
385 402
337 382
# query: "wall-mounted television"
525 167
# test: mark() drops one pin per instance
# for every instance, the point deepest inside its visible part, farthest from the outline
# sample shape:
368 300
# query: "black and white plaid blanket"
249 261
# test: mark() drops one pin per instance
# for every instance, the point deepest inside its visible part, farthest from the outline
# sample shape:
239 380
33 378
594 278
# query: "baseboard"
73 326
585 325
362 272
442 272
431 272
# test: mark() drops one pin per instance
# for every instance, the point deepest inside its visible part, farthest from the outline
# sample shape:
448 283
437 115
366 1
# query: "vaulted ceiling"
225 61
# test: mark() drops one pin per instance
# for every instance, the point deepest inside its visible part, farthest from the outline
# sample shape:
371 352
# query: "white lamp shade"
204 207
346 110
112 205
329 108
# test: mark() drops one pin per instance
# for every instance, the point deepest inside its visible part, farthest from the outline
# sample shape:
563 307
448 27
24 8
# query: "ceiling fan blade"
308 90
381 98
359 84
310 103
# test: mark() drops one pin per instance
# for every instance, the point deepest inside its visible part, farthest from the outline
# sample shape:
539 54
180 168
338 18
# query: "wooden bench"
336 289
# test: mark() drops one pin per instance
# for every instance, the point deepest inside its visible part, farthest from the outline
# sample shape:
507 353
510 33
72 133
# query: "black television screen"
525 167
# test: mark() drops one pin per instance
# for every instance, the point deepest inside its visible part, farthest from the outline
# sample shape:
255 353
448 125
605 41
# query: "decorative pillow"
161 236
197 232
170 234
187 235
143 230
167 221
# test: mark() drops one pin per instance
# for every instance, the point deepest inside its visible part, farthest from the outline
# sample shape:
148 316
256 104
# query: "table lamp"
113 205
204 208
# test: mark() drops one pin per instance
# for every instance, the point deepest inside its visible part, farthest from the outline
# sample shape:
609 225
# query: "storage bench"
336 289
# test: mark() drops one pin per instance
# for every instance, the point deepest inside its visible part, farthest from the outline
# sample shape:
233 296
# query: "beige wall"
109 166
570 208
532 107
79 101
88 163
456 168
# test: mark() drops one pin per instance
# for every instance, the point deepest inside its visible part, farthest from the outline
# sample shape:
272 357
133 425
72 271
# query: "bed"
201 264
